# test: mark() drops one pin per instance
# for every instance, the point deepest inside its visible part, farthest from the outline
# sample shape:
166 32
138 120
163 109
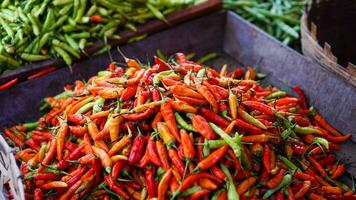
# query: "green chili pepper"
321 141
158 77
99 104
288 163
216 194
252 120
287 179
231 189
206 148
66 57
85 108
306 130
207 57
277 94
230 141
183 123
65 94
30 125
191 191
32 58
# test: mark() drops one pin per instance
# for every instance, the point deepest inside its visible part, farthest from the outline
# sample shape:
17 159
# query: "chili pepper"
338 139
203 127
250 119
173 155
116 188
317 166
189 100
301 95
276 180
197 195
266 158
213 117
303 190
61 136
119 145
18 142
248 127
340 169
70 192
188 146
231 190
163 184
213 158
150 183
323 123
245 185
233 104
163 155
287 179
76 178
54 184
8 84
152 152
137 149
183 123
255 105
33 144
234 144
332 190
49 155
182 106
303 176
169 118
204 91
104 158
183 90
288 163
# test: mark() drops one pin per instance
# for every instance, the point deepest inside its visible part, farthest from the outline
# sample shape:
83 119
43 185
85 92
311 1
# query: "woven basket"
10 175
328 36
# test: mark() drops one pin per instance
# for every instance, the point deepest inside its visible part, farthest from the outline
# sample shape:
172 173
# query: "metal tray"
239 43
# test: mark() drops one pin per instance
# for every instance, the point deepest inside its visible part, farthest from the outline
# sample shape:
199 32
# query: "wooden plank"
150 27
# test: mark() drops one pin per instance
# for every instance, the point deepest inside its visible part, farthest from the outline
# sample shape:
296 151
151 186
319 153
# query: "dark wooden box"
239 42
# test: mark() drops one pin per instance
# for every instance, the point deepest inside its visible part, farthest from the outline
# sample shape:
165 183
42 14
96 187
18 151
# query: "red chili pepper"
190 100
18 142
96 19
325 124
173 155
9 84
213 91
137 149
104 158
266 158
150 183
45 176
203 90
41 73
139 116
213 117
236 73
33 144
190 180
213 158
340 169
163 66
199 194
38 194
255 105
116 188
303 176
276 180
163 155
248 127
328 160
203 127
305 188
170 119
298 148
317 166
128 93
49 155
76 177
152 152
338 139
218 172
302 97
72 156
280 196
117 168
187 144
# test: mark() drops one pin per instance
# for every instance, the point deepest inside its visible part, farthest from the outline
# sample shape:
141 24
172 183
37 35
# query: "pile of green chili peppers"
36 30
280 18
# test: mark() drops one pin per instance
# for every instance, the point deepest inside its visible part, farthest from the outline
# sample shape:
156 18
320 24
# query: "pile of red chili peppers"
179 130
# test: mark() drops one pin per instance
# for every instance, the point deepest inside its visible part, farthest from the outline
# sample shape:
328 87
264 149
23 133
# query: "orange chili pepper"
61 136
188 146
163 185
104 158
170 119
182 106
245 185
213 158
163 155
203 90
